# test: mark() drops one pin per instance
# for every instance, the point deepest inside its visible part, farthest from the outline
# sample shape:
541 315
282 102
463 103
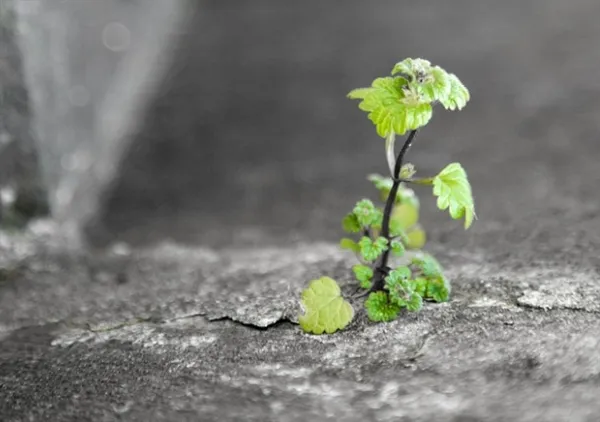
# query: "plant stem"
427 181
382 268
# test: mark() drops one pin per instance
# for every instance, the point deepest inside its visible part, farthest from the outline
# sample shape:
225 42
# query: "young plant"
399 104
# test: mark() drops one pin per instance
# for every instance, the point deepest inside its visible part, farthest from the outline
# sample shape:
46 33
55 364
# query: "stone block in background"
227 123
22 195
92 68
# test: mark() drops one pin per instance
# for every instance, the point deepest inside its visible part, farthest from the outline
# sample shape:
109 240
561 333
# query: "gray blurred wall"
226 122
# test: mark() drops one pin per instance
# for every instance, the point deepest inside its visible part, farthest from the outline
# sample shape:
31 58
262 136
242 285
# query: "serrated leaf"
387 107
412 68
427 265
437 85
458 95
397 247
431 283
326 311
453 190
359 93
350 224
410 117
371 250
365 212
349 244
379 307
399 274
416 238
420 286
401 288
363 274
438 289
377 221
414 303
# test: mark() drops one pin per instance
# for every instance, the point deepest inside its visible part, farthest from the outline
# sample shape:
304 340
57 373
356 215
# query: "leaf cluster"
404 101
365 220
407 287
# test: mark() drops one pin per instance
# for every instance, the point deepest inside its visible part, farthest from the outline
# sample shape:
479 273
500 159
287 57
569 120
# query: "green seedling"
400 104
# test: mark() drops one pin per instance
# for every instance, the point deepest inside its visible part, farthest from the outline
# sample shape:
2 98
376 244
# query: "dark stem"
382 268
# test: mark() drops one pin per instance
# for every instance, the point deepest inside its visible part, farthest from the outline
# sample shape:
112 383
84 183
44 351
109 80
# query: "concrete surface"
171 333
168 332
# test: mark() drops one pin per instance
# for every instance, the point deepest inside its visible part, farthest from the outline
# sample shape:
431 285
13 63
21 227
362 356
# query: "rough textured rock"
174 333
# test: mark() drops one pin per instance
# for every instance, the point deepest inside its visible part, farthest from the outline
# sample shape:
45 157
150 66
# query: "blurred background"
227 123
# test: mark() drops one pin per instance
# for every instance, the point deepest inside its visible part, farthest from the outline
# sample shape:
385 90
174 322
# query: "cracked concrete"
190 329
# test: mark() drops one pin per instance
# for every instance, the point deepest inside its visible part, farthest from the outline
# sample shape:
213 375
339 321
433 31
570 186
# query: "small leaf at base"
363 274
326 310
349 244
380 308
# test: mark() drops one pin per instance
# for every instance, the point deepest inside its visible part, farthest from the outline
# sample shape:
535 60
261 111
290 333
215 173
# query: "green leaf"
427 265
407 195
325 308
414 303
363 274
398 278
371 250
453 190
349 244
402 290
365 212
416 238
380 308
384 186
458 95
420 286
412 68
403 102
388 107
396 229
397 247
411 117
406 215
437 85
438 289
432 83
350 224
407 171
365 284
377 220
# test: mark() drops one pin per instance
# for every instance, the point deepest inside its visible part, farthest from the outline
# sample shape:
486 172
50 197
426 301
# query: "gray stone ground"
167 332
173 333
